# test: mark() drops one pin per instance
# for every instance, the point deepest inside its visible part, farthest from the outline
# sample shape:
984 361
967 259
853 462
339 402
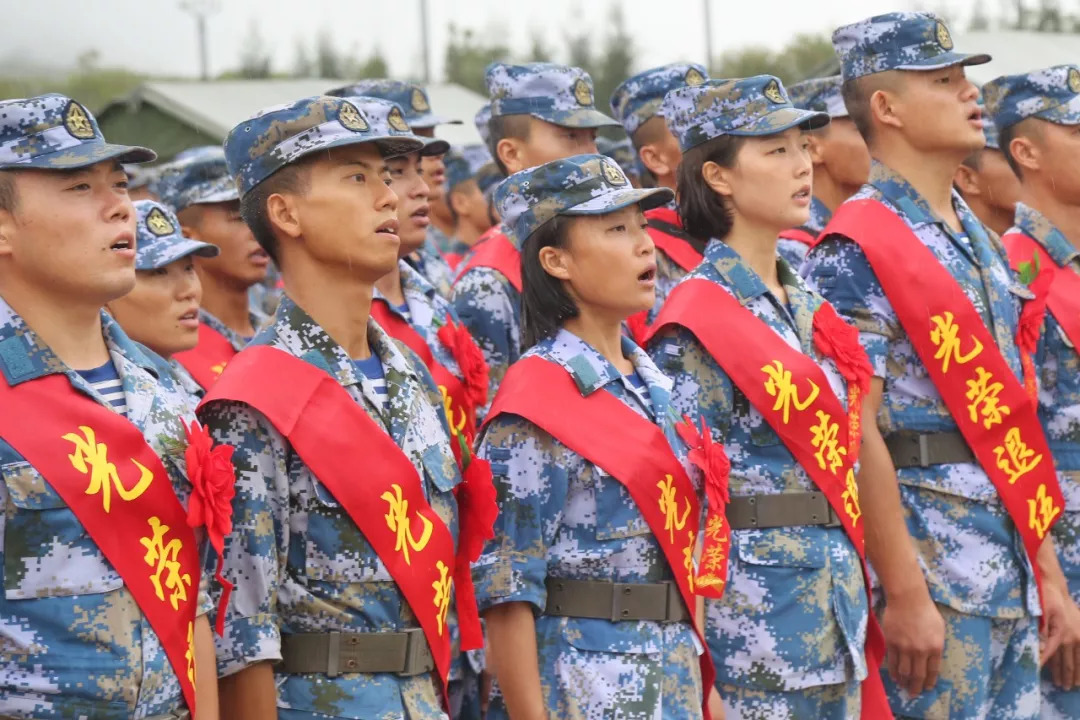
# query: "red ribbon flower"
477 510
710 458
466 352
1034 312
213 481
839 340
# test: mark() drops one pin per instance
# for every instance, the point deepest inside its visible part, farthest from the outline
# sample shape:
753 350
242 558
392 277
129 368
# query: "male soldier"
956 482
205 200
345 541
987 183
413 101
101 568
539 112
467 197
841 163
1038 116
638 104
624 155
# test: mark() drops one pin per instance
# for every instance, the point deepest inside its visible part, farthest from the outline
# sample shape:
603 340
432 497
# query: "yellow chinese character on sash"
456 427
218 369
781 386
824 438
714 526
946 338
442 594
162 557
983 395
669 505
1042 512
92 457
1015 458
189 654
688 558
398 521
850 497
715 557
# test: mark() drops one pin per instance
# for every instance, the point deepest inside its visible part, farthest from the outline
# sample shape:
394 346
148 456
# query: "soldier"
102 571
1038 116
638 104
581 528
345 594
624 155
470 175
204 198
162 310
987 183
790 635
419 116
956 539
841 163
539 112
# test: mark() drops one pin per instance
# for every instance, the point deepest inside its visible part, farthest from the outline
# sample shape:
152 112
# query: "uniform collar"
1035 225
591 370
235 339
907 199
819 215
412 284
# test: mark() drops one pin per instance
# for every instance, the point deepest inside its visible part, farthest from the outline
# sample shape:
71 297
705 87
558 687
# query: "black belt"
780 510
403 653
606 600
912 449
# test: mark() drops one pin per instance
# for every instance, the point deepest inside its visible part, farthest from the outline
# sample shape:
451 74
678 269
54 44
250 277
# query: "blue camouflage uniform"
1053 95
969 550
819 95
788 636
464 164
416 109
636 101
300 563
73 642
159 243
484 299
563 517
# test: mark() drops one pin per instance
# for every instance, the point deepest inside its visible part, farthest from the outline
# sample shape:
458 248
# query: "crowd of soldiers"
770 411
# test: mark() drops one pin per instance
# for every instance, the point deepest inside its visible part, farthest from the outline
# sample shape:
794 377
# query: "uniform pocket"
47 551
334 548
617 515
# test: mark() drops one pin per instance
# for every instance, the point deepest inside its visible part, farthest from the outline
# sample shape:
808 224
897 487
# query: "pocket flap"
27 488
797 546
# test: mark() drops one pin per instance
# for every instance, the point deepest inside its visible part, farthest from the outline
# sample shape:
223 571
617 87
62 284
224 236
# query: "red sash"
334 437
494 250
97 461
206 360
793 394
665 229
1063 298
990 406
627 446
799 234
452 259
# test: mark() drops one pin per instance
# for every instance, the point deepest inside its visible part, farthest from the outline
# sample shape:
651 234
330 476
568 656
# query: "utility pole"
200 10
425 39
708 36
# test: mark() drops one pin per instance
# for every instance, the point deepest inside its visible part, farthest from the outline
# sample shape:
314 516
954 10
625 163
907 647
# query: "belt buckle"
675 611
621 595
418 659
924 450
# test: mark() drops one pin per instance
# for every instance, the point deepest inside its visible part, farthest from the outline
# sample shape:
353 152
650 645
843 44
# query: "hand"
716 705
1053 621
914 641
1065 663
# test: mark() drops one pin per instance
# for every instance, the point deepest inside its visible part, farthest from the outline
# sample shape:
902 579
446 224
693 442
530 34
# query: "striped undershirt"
106 381
372 370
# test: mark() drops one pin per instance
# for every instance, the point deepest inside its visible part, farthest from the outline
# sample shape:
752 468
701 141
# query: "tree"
616 63
328 61
302 65
374 67
254 55
538 49
467 58
803 57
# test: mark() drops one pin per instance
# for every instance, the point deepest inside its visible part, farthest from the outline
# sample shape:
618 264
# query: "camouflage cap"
623 153
640 98
201 179
158 240
139 176
820 95
578 185
488 178
462 164
1051 94
897 41
755 106
200 152
481 120
53 132
412 99
260 146
990 131
558 94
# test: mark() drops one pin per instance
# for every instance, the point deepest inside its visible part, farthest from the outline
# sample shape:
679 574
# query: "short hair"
1025 128
650 131
545 303
191 216
857 93
501 127
8 198
292 178
704 213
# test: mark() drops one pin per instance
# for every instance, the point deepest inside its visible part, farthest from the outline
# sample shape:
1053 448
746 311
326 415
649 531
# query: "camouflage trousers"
1058 704
989 671
828 702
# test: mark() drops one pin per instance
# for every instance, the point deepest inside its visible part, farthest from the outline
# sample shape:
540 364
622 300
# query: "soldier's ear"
883 109
1026 153
283 213
717 177
655 161
554 261
816 141
510 151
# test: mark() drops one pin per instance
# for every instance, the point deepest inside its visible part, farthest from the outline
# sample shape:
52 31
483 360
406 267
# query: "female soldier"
765 369
587 587
162 312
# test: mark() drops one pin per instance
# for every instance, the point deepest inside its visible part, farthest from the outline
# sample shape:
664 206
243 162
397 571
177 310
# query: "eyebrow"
382 168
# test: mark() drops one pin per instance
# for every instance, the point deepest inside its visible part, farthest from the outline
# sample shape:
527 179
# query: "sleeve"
256 550
484 301
531 476
838 270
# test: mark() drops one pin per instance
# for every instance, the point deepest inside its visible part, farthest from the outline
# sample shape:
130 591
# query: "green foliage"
467 56
803 57
93 87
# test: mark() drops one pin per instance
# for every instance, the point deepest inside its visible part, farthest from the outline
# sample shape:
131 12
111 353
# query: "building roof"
215 107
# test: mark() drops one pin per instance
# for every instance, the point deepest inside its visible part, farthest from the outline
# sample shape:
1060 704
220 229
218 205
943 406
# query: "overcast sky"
158 36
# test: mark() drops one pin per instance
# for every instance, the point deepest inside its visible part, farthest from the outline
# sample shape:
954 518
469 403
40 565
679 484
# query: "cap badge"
772 91
1074 80
396 121
419 102
351 118
694 77
612 174
943 37
158 224
582 92
77 122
